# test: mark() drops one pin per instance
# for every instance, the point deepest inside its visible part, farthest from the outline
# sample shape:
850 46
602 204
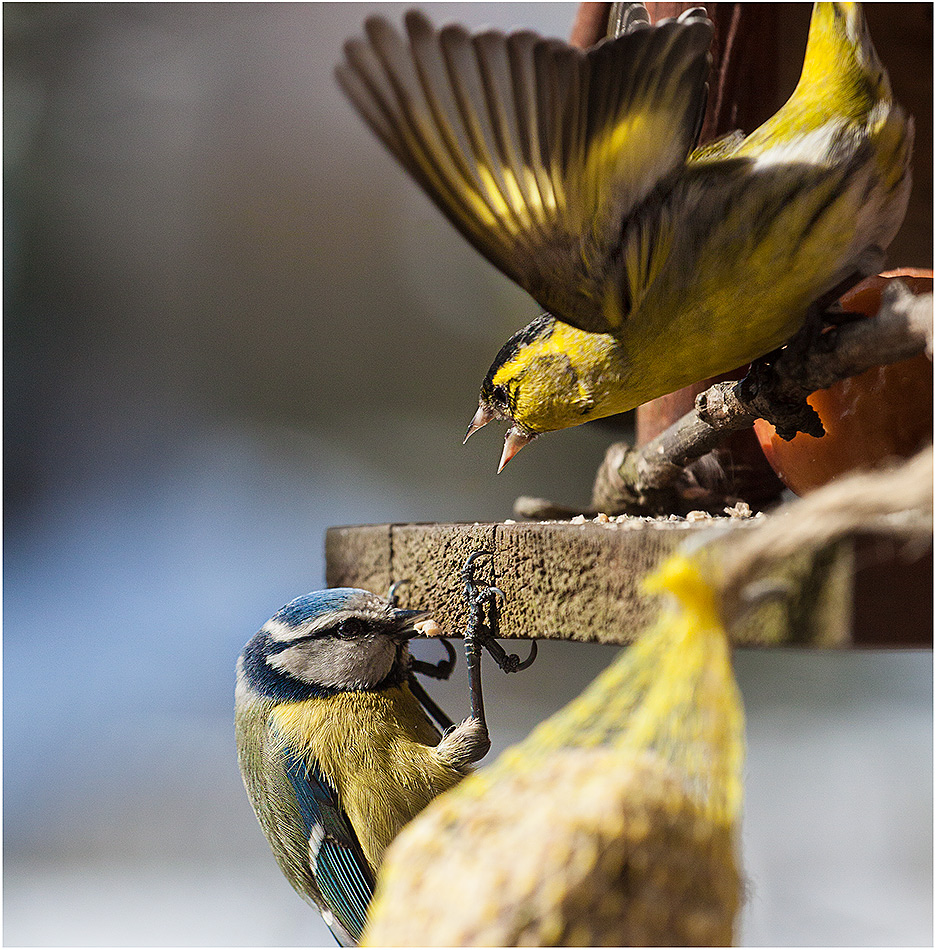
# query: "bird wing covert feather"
536 151
341 871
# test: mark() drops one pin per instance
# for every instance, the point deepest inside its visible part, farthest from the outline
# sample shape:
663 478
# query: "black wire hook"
394 587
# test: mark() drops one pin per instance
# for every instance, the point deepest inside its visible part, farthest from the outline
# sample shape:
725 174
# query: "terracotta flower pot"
886 412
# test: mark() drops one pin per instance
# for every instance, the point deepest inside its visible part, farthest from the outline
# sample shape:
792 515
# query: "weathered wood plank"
561 580
359 556
581 581
578 581
430 558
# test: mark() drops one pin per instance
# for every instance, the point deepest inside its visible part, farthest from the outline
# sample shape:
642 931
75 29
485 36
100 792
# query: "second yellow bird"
573 173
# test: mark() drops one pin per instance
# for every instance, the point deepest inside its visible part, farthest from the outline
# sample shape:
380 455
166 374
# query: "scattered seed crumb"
601 518
578 519
628 521
741 510
511 521
698 516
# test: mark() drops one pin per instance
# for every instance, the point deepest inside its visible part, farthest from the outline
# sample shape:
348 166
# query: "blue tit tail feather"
336 860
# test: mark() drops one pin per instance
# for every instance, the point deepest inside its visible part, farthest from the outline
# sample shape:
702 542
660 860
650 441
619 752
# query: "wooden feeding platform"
581 581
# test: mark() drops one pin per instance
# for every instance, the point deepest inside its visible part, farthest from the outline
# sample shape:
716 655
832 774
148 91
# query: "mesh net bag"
612 824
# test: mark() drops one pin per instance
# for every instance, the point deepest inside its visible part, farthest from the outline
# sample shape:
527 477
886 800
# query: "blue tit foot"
466 743
488 599
442 669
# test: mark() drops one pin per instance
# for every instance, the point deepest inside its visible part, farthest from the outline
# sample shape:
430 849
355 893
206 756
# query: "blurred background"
230 322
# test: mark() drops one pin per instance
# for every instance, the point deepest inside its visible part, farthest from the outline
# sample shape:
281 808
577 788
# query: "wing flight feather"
539 153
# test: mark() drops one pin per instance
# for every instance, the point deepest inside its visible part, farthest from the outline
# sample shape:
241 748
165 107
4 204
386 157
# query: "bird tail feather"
840 52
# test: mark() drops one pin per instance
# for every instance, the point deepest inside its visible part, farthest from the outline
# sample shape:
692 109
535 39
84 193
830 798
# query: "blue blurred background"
232 321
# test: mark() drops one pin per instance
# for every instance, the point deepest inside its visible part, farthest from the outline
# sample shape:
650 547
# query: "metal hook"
428 703
442 669
510 662
392 592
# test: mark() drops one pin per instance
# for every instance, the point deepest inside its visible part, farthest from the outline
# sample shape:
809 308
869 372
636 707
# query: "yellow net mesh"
673 693
612 824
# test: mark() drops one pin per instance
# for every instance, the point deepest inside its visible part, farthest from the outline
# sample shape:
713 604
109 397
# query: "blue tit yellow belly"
383 782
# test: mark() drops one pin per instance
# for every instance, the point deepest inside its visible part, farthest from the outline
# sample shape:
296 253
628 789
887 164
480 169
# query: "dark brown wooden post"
591 24
743 92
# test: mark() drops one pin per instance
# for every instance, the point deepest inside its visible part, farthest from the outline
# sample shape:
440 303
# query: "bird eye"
350 628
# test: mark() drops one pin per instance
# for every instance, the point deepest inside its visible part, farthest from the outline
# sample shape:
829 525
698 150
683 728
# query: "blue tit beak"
411 623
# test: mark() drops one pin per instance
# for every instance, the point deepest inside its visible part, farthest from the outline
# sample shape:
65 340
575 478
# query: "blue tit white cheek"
342 664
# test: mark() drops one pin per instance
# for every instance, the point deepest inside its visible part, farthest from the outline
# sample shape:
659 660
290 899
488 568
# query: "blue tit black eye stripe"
352 627
272 683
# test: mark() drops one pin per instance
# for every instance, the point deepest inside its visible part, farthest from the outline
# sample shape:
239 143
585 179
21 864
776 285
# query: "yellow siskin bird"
573 173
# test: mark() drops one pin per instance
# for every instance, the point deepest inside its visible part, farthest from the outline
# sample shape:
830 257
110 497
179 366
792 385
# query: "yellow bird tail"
842 99
841 61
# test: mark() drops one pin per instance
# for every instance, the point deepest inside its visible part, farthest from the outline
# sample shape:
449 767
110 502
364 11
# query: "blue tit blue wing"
341 871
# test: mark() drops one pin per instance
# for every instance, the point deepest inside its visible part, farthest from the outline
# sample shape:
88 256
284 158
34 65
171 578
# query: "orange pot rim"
908 272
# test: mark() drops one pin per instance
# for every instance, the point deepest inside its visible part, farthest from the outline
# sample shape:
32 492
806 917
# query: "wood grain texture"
582 581
359 557
561 580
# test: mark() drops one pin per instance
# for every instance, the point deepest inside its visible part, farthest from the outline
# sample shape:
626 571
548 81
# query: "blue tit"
336 752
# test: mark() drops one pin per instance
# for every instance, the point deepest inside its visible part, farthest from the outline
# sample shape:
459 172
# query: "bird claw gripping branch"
480 634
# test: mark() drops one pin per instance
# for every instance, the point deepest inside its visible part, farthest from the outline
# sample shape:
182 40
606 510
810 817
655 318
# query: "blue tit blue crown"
318 602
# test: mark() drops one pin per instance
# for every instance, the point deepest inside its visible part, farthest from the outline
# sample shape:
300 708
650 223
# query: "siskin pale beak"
513 442
481 418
